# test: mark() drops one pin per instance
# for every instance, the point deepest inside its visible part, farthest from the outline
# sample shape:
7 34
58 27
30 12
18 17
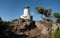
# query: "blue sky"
12 9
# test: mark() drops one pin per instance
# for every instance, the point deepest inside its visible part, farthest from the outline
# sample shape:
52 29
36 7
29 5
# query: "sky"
12 9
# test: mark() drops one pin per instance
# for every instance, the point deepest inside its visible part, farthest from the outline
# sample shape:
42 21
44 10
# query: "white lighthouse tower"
26 14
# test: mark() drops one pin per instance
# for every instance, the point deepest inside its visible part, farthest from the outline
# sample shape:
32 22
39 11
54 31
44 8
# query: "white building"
26 14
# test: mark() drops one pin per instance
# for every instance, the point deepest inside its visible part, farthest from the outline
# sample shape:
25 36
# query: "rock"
45 31
34 32
55 27
35 29
39 25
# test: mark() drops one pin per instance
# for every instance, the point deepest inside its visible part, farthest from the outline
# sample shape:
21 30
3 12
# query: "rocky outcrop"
34 29
45 28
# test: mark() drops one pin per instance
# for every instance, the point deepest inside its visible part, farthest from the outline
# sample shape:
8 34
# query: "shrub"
57 34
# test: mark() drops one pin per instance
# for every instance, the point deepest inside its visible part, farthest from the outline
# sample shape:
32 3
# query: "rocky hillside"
35 29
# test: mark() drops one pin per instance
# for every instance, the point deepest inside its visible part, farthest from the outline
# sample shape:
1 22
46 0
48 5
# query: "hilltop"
36 29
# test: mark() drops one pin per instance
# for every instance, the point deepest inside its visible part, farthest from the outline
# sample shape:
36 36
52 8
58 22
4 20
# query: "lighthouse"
26 13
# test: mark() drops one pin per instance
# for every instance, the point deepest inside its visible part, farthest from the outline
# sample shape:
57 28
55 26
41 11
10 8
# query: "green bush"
57 34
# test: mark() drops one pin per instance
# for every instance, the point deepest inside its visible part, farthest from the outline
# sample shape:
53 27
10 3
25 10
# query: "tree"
47 12
42 11
57 16
0 19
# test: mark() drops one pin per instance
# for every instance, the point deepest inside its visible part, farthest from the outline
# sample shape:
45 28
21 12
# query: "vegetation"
57 16
3 28
43 11
40 10
57 34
